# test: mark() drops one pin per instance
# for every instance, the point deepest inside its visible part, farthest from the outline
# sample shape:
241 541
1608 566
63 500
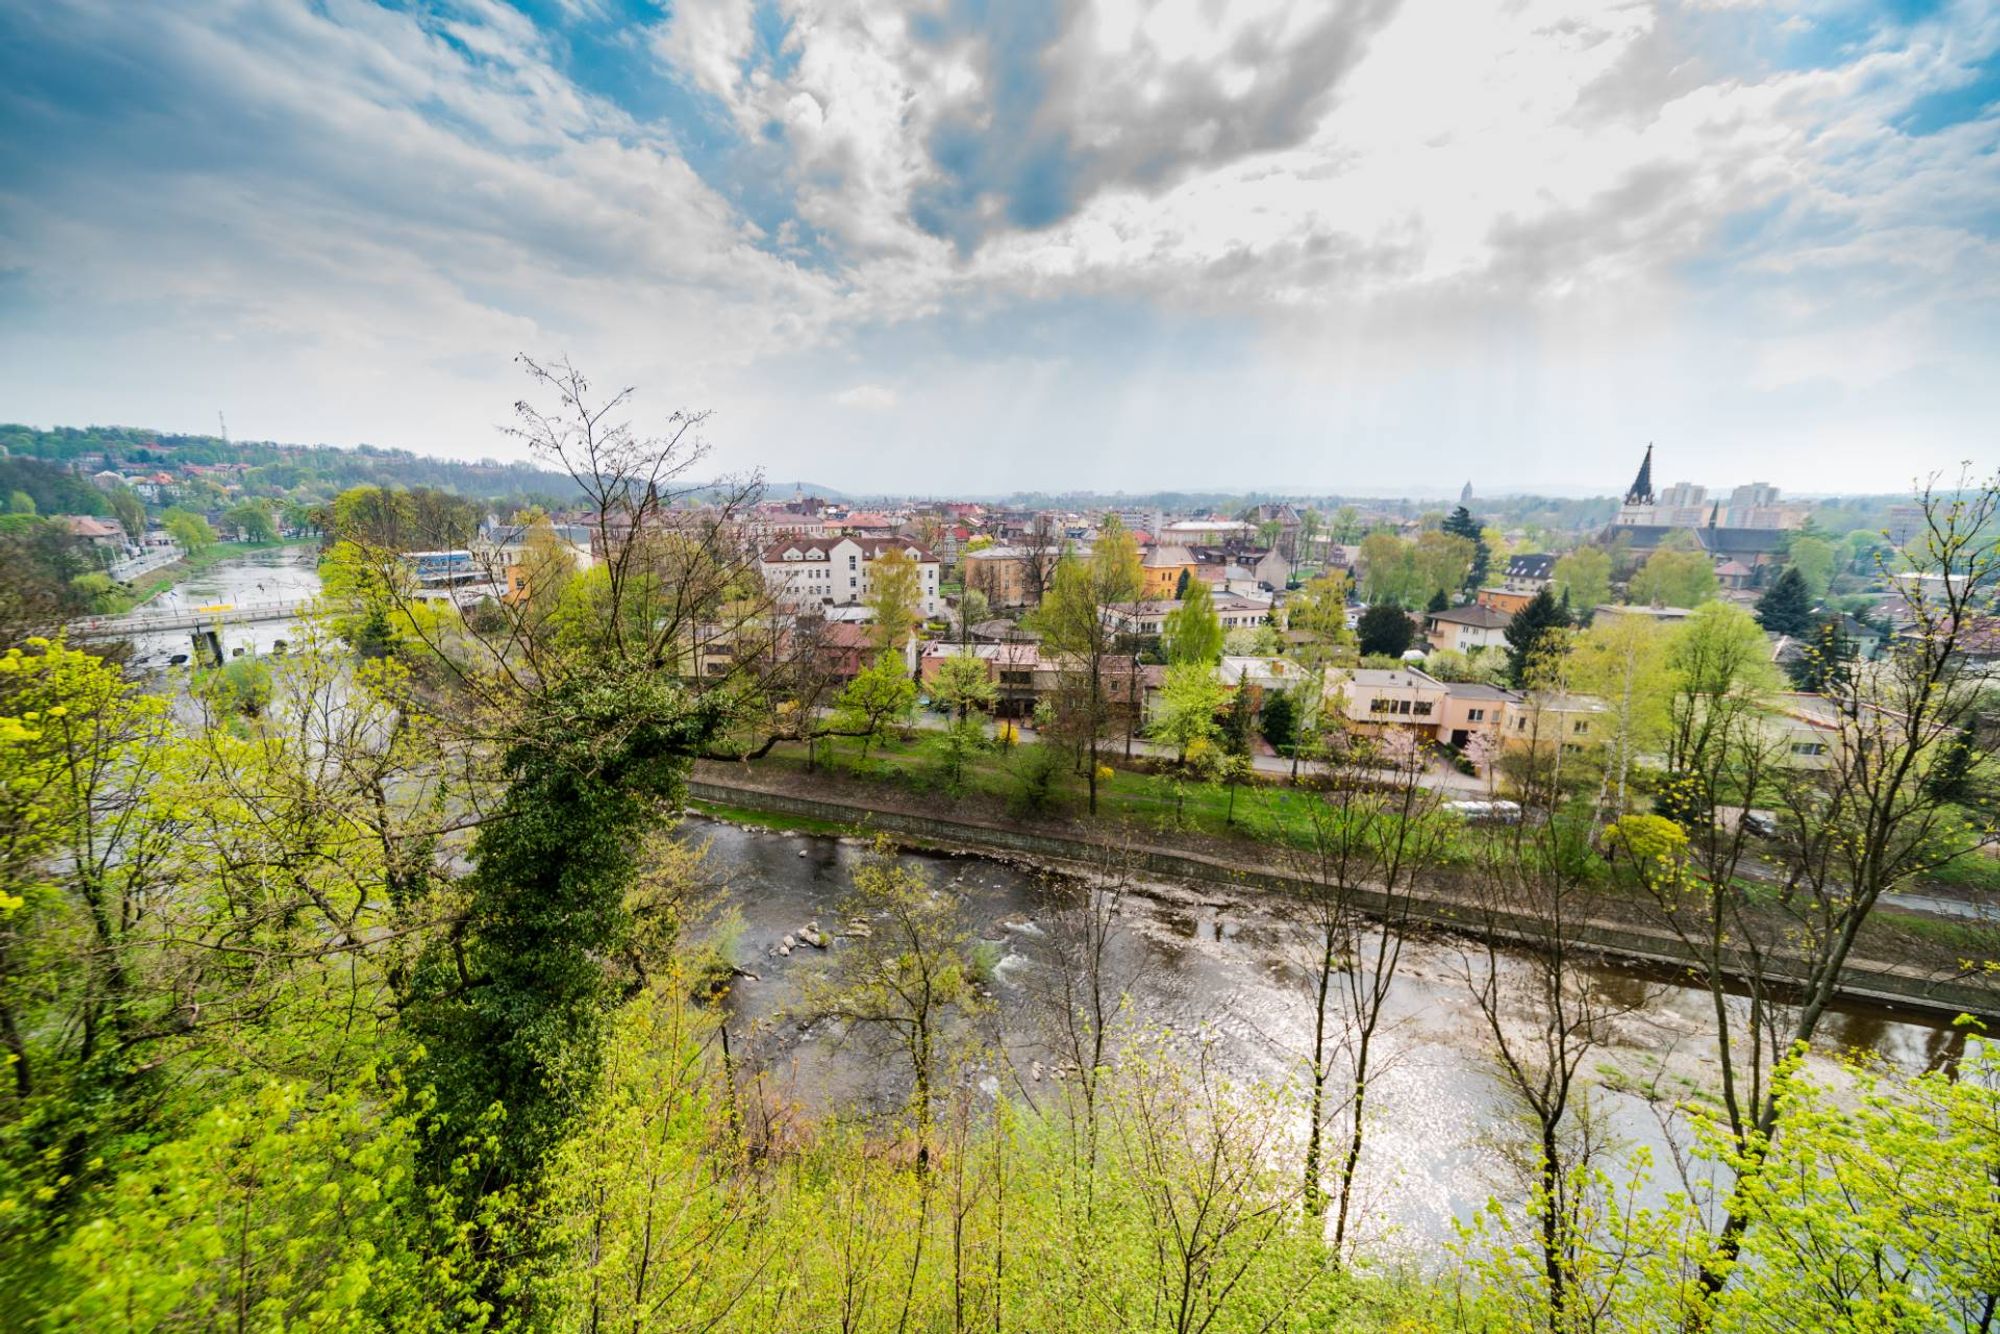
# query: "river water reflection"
1225 972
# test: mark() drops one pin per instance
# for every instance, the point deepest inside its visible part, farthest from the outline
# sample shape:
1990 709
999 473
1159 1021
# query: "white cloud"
338 220
867 398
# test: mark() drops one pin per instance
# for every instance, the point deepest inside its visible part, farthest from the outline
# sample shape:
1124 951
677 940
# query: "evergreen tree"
1385 629
1530 631
1438 602
1181 585
1827 662
1786 607
1462 524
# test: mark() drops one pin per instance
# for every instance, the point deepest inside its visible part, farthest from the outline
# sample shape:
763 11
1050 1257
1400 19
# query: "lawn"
1151 802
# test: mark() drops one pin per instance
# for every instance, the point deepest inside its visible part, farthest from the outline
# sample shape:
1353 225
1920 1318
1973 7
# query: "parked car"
1761 823
1487 812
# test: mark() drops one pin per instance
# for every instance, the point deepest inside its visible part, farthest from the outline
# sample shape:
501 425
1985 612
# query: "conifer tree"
1786 607
1528 633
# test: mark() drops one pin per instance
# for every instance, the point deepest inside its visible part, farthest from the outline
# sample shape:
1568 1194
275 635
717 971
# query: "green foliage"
252 520
1462 524
1786 606
1534 632
1189 703
1584 577
513 1010
881 696
1673 578
962 684
894 594
1815 560
188 529
1279 721
1193 631
1385 629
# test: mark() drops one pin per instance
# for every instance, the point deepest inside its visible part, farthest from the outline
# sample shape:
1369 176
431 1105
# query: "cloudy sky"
987 244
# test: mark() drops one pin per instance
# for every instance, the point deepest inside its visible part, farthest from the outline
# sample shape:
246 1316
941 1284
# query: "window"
1475 715
1381 706
1809 748
850 562
1580 727
1422 708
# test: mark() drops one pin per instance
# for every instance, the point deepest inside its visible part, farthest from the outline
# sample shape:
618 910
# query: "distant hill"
305 472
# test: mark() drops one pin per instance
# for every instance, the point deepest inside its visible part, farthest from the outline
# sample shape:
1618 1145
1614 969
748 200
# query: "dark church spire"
1642 485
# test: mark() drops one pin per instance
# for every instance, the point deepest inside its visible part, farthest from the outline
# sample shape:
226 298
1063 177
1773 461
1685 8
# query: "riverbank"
1896 968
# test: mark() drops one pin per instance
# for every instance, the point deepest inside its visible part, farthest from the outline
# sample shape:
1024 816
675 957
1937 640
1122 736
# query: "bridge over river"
143 622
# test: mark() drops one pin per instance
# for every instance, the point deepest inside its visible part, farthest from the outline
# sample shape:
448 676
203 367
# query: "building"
837 571
1669 615
1754 506
1150 617
1472 709
1467 629
1001 575
1162 568
1504 599
1530 573
1372 699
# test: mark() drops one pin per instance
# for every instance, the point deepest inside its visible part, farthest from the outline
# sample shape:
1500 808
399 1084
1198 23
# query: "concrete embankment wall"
1874 983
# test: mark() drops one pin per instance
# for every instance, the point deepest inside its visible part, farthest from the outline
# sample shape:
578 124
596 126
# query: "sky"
1357 246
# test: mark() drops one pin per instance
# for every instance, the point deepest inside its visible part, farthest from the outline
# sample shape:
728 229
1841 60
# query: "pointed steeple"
1642 485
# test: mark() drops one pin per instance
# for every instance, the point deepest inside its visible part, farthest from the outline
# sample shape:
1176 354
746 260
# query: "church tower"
1638 506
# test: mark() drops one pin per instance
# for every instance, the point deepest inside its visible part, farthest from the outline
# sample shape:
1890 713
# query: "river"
275 574
1223 971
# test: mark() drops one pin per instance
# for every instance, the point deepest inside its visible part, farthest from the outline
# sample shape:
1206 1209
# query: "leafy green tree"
1671 578
1584 576
1076 630
252 519
188 529
894 595
1442 563
1826 663
1278 720
20 502
1193 630
881 696
1189 703
1786 606
1534 631
1622 660
1389 570
1816 560
129 510
962 684
1320 610
1384 629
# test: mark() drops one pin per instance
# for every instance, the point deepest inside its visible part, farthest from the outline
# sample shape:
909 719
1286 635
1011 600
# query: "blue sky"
1379 246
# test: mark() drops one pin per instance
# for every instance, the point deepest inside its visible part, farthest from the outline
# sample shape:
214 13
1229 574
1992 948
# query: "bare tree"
1546 1015
1042 549
1375 830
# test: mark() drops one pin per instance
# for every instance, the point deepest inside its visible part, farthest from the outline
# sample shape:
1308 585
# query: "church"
1744 534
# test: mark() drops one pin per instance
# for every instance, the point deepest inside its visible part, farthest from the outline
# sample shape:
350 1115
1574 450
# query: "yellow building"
1162 569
